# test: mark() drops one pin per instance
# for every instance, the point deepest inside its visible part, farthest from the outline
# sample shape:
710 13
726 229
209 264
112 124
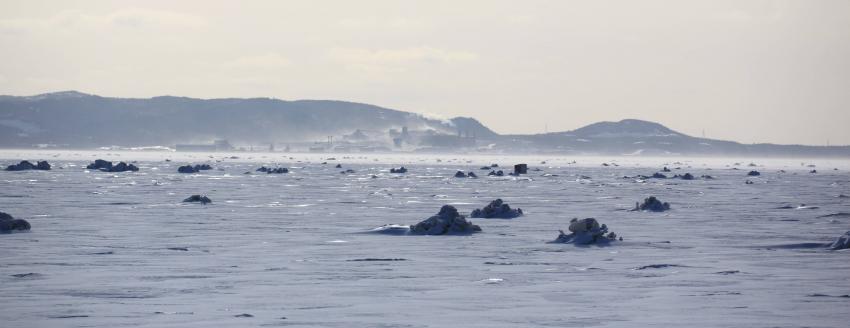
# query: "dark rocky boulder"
753 173
472 174
460 174
398 170
448 221
268 170
665 169
348 171
198 199
26 165
652 204
586 232
498 173
686 176
497 209
194 169
657 175
339 166
10 224
107 166
187 169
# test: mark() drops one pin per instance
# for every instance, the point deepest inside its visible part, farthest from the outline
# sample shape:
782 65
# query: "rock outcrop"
268 170
398 170
686 176
447 222
753 173
652 204
107 166
497 209
198 199
193 169
26 165
586 232
9 224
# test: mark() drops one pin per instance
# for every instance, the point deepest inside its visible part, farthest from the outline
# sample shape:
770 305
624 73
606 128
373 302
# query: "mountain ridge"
77 119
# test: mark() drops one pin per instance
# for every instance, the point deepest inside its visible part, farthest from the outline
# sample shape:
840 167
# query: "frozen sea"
291 250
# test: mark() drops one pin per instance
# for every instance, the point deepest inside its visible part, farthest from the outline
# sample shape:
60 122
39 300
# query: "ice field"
292 250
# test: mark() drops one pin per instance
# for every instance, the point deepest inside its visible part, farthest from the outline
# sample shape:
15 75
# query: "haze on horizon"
748 71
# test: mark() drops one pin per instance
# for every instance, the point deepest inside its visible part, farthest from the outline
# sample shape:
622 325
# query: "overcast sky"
750 71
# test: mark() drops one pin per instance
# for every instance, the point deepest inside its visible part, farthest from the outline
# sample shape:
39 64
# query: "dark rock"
398 170
472 174
586 232
348 171
665 169
753 173
244 315
813 171
9 224
187 169
447 221
460 174
842 242
686 176
657 175
652 204
198 199
203 167
496 209
707 177
498 173
107 166
484 168
339 166
268 170
26 165
520 169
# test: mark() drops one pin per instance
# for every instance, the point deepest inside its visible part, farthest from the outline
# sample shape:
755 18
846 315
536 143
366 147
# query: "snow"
121 249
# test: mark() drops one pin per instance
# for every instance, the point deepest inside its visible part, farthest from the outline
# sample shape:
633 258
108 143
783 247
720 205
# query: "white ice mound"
586 232
447 222
842 242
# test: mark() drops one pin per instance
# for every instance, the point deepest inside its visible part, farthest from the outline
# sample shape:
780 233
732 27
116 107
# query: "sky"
742 70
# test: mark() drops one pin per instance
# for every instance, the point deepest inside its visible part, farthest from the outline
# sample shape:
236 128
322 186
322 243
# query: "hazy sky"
750 71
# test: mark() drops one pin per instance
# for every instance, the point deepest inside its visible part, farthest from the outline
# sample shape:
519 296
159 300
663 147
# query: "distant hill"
77 120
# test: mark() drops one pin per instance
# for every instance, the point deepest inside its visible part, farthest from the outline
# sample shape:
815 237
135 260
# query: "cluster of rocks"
398 170
9 224
447 221
586 232
496 209
193 169
26 165
492 166
107 166
686 176
198 199
495 173
268 170
460 174
652 204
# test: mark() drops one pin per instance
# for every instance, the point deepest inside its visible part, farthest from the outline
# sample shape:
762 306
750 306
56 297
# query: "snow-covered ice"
121 249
